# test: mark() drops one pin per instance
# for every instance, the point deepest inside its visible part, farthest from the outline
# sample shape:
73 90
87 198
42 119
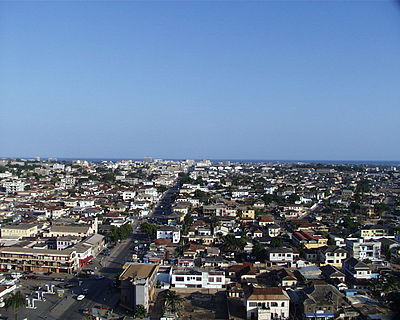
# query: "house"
169 232
309 241
322 301
330 273
247 212
265 221
332 255
280 257
137 283
373 232
267 303
358 269
273 230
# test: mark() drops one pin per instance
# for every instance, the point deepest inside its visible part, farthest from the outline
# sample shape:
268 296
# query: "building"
364 249
322 302
19 231
309 241
280 257
137 283
81 231
270 303
169 232
14 186
332 255
201 279
374 232
40 260
358 269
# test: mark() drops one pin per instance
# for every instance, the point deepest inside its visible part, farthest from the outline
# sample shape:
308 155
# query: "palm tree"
15 301
172 301
140 312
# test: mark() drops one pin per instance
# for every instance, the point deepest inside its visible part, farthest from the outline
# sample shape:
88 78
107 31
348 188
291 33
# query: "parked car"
80 297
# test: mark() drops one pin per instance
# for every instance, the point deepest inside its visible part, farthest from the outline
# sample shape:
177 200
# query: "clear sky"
220 80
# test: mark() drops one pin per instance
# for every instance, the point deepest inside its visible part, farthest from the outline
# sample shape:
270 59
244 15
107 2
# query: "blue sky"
220 80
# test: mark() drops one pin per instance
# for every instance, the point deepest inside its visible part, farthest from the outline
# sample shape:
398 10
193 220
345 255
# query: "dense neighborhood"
163 239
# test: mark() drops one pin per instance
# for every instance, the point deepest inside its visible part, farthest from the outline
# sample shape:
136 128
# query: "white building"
14 186
271 303
169 232
363 249
281 256
192 278
128 195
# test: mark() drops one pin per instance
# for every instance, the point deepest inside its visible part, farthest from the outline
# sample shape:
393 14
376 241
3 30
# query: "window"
198 279
210 279
179 279
252 304
274 304
219 279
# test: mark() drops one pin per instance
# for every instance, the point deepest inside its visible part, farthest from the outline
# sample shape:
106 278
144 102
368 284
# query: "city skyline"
218 80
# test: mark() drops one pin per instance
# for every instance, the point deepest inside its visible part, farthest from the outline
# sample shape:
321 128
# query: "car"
58 279
80 297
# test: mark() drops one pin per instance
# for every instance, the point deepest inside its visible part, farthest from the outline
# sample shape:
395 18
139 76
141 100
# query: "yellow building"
19 231
247 213
309 241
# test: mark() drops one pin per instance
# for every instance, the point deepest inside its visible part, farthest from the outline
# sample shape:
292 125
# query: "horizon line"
95 159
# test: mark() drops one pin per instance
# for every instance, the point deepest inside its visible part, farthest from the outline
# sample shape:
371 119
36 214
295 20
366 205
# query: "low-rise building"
332 255
169 232
201 279
267 303
19 231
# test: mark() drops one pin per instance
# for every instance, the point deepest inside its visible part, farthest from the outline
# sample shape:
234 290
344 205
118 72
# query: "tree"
172 301
231 243
140 312
259 252
150 229
276 243
381 208
15 301
120 233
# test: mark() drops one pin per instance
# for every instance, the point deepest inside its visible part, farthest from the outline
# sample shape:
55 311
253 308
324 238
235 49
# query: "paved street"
101 292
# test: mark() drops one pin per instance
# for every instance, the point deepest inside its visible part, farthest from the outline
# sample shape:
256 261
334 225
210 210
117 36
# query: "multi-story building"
280 256
309 241
193 278
270 303
364 249
374 232
41 260
169 232
138 282
14 186
332 255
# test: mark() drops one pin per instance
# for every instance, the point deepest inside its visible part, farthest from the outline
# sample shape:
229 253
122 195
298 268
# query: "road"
99 292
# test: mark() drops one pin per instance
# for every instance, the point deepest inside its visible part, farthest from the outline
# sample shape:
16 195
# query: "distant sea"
355 162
